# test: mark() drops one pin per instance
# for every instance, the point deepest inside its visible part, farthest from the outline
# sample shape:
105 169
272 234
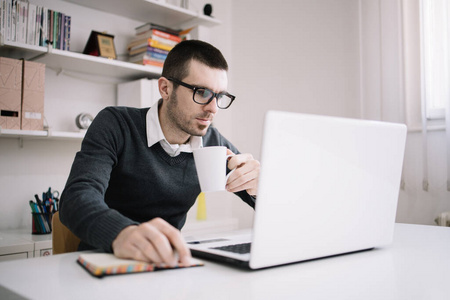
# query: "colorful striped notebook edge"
105 264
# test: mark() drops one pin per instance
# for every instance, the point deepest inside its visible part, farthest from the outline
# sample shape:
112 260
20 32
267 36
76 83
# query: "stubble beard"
181 121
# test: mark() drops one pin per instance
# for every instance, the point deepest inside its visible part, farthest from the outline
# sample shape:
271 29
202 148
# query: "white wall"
300 56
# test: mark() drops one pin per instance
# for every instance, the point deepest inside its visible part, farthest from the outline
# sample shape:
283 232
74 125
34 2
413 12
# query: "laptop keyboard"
237 248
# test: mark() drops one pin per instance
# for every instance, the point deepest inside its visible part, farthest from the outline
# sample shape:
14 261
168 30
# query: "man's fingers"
154 241
136 245
145 252
176 240
238 160
246 175
229 152
246 182
243 174
155 245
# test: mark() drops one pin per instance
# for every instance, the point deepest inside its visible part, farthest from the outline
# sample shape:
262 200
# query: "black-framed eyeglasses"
204 96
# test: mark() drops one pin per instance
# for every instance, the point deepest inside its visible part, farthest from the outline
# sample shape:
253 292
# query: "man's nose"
212 106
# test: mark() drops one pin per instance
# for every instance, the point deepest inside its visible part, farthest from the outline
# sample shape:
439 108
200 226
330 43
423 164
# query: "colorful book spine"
31 24
68 22
148 61
22 22
14 17
37 31
166 36
157 56
44 30
55 29
158 44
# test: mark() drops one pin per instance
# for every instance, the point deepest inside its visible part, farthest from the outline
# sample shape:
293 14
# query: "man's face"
188 117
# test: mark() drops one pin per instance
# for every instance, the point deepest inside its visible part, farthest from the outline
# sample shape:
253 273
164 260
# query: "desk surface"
415 266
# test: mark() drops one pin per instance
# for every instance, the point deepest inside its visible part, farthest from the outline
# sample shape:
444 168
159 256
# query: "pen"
38 201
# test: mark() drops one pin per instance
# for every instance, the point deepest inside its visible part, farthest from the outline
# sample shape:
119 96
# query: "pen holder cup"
41 223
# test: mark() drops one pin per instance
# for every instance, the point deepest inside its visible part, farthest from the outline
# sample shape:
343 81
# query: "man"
134 179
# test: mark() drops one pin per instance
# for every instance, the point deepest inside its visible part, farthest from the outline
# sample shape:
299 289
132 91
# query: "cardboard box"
10 93
33 96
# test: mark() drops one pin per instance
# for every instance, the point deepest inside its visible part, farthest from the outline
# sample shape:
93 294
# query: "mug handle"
228 175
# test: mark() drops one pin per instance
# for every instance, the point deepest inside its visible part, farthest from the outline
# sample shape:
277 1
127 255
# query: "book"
146 60
44 28
104 264
152 62
154 32
3 18
149 55
8 19
159 42
147 48
55 24
31 26
37 31
14 17
22 22
148 26
68 23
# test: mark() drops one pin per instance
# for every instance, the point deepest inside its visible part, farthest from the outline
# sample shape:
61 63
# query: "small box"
33 96
10 93
138 93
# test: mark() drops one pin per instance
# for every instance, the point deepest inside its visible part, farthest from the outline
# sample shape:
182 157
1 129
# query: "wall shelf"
33 134
82 63
151 11
141 10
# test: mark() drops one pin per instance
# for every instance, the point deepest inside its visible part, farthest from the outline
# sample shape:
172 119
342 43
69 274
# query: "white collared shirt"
155 135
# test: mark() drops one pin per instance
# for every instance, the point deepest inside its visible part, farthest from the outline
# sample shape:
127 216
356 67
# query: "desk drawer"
43 252
14 256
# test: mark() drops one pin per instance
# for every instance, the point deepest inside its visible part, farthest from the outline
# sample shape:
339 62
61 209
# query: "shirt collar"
155 134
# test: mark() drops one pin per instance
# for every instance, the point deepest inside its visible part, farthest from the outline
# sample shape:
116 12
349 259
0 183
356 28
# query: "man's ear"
165 87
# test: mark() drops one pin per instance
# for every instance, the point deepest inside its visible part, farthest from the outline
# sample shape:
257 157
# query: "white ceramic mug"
211 163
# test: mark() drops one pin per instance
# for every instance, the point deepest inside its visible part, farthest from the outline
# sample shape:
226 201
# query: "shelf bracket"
49 50
21 142
49 132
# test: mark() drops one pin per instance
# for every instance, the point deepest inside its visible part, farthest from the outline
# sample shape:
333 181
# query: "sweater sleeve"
82 208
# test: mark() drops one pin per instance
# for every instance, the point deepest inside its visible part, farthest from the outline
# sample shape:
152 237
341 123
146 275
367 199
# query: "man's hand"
154 241
246 175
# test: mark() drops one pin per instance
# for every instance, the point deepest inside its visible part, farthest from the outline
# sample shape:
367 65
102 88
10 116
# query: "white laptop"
327 186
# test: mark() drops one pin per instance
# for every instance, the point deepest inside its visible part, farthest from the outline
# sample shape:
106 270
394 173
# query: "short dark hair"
179 58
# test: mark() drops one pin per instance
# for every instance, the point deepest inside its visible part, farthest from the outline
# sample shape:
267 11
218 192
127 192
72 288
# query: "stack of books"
151 44
28 23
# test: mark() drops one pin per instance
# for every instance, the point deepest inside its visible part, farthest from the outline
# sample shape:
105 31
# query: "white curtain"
435 66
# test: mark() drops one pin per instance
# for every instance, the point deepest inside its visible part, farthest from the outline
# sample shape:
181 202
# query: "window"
435 57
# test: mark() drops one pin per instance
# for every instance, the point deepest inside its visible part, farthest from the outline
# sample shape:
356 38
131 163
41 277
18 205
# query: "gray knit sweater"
116 180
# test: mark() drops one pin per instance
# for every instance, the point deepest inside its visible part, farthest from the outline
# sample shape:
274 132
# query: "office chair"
63 240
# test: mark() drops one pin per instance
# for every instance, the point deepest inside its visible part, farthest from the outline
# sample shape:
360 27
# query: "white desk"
415 266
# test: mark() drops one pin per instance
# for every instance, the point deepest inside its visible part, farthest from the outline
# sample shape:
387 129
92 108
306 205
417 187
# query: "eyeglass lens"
202 95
